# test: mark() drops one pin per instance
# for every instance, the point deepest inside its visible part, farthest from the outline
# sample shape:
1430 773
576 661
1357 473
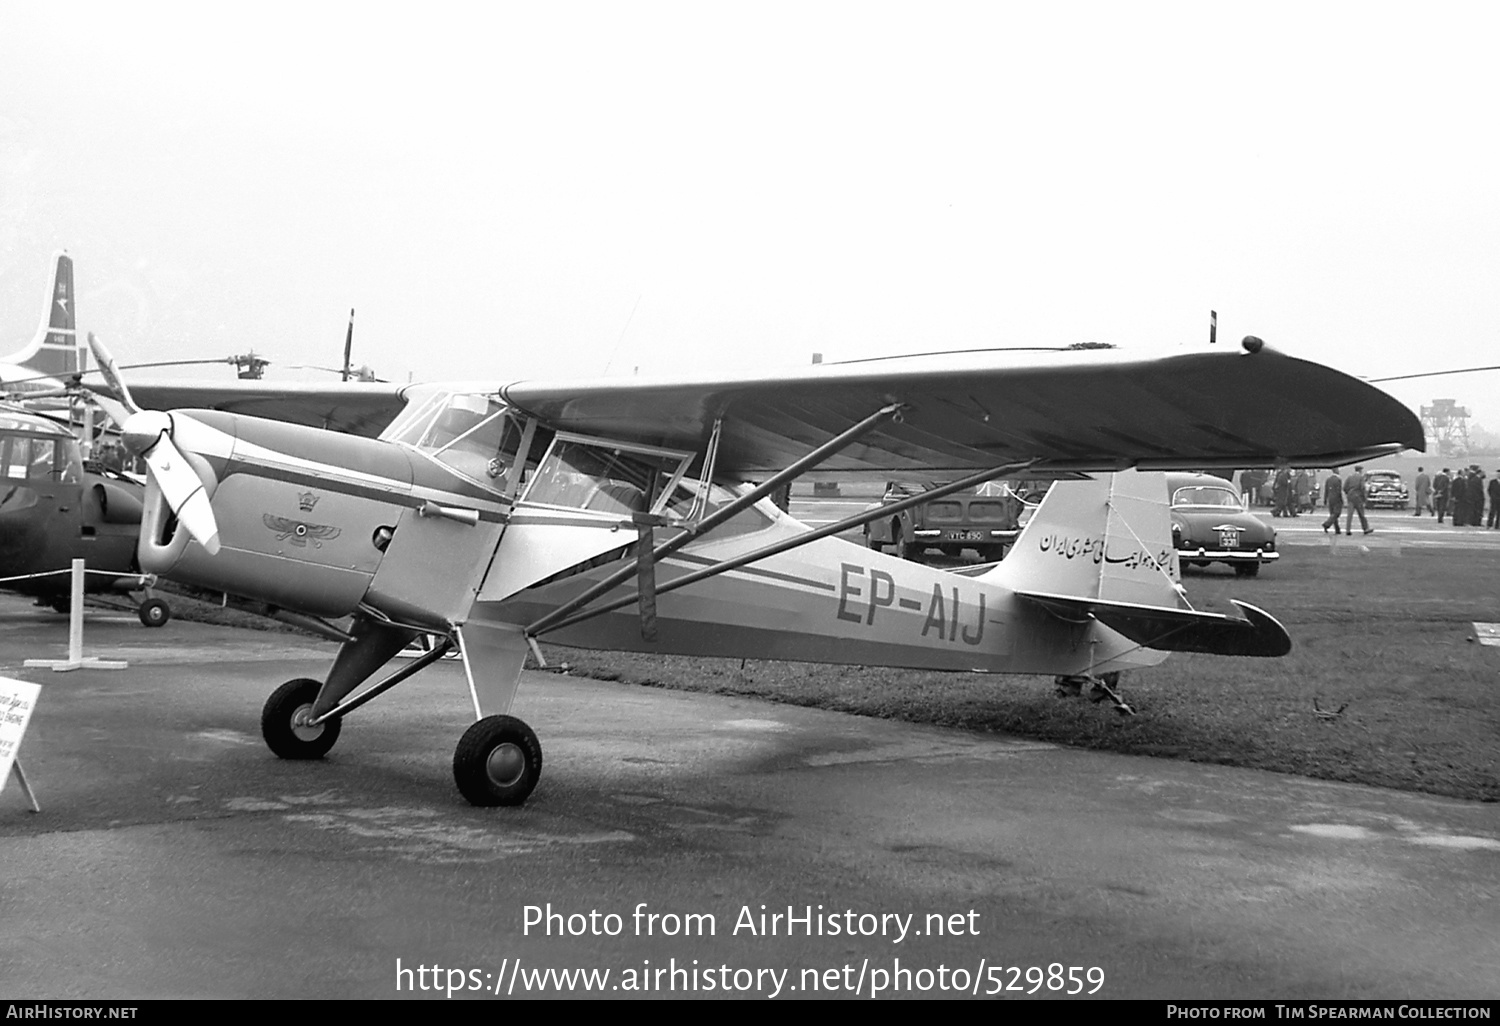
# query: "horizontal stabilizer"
1176 630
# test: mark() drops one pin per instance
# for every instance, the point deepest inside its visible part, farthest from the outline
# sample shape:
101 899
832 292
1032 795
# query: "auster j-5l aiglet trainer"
616 514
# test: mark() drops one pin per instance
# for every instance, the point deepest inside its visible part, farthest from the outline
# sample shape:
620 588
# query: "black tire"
63 605
497 762
278 728
154 613
874 543
1247 569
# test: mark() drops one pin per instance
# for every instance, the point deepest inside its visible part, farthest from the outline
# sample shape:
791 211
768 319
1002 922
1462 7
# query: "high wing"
1072 410
356 408
1084 410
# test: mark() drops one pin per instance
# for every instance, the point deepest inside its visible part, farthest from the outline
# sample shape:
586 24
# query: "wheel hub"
506 764
302 726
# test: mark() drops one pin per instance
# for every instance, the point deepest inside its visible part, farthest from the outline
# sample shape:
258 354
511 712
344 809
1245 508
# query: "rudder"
1107 538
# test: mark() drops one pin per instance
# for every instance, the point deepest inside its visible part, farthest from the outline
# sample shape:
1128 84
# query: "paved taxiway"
176 856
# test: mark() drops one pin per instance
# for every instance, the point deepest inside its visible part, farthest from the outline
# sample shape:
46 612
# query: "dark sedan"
1210 525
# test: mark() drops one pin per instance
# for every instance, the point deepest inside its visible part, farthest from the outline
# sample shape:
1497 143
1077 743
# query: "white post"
76 659
75 615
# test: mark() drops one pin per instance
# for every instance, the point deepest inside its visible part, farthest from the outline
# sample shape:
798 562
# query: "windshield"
475 435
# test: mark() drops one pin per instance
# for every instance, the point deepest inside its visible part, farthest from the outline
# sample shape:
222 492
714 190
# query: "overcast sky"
549 189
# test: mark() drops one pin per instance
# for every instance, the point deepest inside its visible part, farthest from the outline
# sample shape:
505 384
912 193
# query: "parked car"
1211 525
1385 488
985 519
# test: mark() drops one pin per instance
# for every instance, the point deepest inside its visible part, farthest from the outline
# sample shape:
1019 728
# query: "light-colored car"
1211 525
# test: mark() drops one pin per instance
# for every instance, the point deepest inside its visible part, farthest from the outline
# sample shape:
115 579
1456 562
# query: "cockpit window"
37 458
605 476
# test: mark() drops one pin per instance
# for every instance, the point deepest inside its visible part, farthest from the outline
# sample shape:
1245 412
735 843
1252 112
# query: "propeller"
148 434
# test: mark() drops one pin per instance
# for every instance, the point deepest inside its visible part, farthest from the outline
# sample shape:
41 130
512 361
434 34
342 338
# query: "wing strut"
829 448
848 523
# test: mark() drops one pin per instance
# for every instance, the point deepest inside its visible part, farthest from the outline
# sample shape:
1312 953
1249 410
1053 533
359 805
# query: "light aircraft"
615 513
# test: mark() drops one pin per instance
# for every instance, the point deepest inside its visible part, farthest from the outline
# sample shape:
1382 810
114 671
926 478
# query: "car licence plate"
1229 539
963 536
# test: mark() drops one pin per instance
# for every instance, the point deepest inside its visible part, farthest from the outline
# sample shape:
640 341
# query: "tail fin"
1102 550
1109 538
56 351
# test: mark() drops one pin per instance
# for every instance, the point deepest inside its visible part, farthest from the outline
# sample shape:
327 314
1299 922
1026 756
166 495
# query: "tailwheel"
497 762
284 722
1108 686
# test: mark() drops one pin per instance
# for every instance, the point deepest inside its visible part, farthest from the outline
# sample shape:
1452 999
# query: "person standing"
1281 492
1494 520
1440 486
1354 498
1333 495
1458 495
1476 496
1423 486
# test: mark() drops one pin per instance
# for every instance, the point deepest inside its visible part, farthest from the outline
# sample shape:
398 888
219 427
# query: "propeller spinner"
148 434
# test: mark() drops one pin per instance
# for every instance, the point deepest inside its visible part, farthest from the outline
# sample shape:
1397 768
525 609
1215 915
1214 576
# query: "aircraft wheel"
1246 569
279 722
497 762
154 613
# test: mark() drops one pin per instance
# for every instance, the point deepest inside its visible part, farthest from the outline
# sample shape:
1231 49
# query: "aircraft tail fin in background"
56 351
1102 550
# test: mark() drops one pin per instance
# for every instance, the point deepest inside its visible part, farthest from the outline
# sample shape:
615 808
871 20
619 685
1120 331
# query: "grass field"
1386 637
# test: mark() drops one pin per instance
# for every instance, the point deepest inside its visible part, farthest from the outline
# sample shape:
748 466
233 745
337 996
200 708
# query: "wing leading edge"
1083 410
357 408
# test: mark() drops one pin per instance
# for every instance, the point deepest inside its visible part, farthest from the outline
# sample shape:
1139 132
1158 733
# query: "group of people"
1288 492
1462 494
1347 491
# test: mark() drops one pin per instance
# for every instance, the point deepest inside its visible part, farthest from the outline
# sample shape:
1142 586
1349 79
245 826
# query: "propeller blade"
106 364
184 492
116 410
148 434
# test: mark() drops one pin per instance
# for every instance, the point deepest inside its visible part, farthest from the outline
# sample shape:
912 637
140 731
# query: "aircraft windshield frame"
466 449
562 456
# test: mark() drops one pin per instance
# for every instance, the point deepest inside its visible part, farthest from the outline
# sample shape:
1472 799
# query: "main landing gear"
498 761
286 722
1106 685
